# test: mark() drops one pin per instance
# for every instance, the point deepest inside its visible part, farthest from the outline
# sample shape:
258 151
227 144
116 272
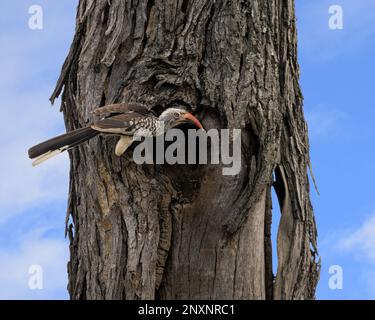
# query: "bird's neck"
161 128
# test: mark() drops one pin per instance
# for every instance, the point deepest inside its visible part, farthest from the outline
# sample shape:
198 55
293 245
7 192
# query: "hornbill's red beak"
188 117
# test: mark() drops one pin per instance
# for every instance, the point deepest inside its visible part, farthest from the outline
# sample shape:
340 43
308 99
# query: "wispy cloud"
34 249
359 245
325 122
21 185
362 240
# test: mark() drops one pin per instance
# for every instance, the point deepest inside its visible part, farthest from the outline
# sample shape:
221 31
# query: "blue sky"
337 80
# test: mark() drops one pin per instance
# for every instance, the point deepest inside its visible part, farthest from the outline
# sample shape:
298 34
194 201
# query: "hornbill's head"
173 117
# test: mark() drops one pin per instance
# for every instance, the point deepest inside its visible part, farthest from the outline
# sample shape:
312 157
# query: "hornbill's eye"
176 115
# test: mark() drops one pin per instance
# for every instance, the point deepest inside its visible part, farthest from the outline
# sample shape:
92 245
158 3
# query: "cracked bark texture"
188 232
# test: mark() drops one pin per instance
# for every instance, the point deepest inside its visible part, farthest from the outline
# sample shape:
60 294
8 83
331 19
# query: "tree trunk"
183 231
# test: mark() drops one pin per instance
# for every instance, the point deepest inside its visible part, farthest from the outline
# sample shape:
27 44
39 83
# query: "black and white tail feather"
52 147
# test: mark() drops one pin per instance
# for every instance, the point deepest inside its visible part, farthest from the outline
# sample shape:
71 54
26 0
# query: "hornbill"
125 120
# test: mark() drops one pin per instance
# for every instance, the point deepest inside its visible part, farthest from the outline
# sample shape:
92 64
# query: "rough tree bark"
188 232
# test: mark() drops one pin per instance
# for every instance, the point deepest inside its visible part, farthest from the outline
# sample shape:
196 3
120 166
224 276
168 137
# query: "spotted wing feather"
121 123
119 108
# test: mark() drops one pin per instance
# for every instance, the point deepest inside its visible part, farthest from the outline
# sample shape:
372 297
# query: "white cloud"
23 187
34 249
361 240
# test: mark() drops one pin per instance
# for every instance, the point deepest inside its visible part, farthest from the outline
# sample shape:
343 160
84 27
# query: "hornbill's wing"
124 123
120 108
